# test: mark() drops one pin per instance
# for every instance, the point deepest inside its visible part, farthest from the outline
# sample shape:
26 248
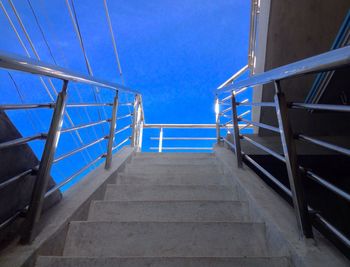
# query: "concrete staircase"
168 210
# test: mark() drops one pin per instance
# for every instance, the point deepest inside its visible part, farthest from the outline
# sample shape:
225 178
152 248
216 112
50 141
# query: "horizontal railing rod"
82 126
8 221
331 60
227 123
260 104
179 126
328 185
333 229
340 108
225 99
15 178
262 125
182 148
29 65
78 105
268 175
231 145
184 138
324 144
64 156
121 143
243 114
70 178
26 106
262 147
125 104
234 76
225 110
123 129
21 141
125 116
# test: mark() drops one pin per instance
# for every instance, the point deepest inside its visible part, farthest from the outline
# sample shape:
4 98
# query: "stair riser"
172 169
171 180
175 155
149 193
169 211
178 161
103 239
161 262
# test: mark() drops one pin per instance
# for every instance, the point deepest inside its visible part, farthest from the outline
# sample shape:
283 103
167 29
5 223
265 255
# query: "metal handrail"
28 65
26 106
324 144
264 148
331 60
70 178
70 153
184 138
83 126
24 64
182 148
22 141
337 108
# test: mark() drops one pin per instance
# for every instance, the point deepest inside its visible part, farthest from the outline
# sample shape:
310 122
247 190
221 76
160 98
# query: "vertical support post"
139 148
43 176
112 127
134 119
160 148
236 137
290 154
217 121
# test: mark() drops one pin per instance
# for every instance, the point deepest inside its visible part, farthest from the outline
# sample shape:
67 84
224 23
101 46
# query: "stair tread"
170 192
171 179
55 261
165 239
165 211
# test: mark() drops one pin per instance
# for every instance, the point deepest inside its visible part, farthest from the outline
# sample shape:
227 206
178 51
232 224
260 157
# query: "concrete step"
170 192
161 262
174 155
171 179
158 239
169 211
166 169
174 161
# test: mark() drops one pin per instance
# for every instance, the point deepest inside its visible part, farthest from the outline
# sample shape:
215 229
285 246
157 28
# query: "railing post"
290 154
43 176
134 118
217 121
112 128
160 148
139 144
236 138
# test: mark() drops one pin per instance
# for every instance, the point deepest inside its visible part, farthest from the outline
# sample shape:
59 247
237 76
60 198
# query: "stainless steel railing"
306 216
195 146
51 138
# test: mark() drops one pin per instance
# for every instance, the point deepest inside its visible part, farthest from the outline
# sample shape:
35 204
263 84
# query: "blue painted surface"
175 52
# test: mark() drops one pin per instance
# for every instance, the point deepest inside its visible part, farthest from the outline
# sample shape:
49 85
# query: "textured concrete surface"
169 169
170 179
162 262
169 211
170 192
54 224
170 239
282 233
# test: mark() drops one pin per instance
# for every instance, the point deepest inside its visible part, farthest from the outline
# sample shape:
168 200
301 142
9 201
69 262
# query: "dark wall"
299 29
17 195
